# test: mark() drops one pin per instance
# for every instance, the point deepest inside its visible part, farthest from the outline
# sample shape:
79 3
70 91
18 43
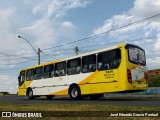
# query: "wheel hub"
74 93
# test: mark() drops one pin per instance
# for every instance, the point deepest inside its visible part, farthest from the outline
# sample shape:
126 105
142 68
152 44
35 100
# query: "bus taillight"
129 76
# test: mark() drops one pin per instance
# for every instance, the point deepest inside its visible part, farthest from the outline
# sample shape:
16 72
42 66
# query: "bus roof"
80 55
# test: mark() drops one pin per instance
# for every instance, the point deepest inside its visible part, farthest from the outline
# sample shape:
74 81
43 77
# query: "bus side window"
60 69
48 71
109 59
116 60
89 64
21 78
38 73
73 66
30 74
100 64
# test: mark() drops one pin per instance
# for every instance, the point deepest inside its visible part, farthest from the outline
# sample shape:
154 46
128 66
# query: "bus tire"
30 94
96 96
74 92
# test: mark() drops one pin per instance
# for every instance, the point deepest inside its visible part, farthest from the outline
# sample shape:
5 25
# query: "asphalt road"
117 101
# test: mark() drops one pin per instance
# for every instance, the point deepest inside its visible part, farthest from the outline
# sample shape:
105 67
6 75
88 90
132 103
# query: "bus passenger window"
89 63
60 69
30 74
109 59
48 71
38 73
73 66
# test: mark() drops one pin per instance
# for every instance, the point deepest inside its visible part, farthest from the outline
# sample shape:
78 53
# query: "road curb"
131 96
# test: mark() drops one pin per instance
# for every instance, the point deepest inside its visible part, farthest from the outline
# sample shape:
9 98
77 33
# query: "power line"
17 63
11 55
15 69
122 27
49 55
108 43
12 69
118 42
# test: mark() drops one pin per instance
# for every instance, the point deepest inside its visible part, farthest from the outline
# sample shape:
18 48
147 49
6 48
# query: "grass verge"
80 107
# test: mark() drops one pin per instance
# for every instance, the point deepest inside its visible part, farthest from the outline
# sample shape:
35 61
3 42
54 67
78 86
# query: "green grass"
74 107
154 78
154 81
79 107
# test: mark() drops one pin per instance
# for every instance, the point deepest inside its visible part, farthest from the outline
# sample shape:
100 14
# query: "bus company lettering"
109 71
109 74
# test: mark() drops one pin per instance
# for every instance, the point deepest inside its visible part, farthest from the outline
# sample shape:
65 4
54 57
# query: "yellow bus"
121 68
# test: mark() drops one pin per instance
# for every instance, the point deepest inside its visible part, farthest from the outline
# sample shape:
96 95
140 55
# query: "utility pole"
37 52
76 50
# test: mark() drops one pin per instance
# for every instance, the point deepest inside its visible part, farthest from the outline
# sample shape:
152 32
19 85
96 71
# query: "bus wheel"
30 94
96 96
74 92
49 97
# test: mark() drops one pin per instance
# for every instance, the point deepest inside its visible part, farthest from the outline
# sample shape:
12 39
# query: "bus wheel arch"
29 93
74 91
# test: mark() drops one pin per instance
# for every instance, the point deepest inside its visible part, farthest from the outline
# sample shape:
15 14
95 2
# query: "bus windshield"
136 55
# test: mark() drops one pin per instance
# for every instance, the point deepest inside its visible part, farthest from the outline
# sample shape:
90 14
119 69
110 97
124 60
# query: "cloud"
5 15
9 41
157 45
154 62
55 8
144 8
9 83
68 24
139 11
42 25
42 31
106 27
47 30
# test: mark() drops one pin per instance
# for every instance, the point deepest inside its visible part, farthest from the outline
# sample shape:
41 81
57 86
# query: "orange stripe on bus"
85 81
62 92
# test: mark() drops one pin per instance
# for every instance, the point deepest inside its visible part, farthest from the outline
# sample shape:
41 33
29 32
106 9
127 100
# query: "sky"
47 24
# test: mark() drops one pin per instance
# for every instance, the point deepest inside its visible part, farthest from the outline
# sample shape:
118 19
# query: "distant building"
155 71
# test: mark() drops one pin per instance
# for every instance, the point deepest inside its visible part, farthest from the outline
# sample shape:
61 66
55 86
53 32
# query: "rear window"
136 55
